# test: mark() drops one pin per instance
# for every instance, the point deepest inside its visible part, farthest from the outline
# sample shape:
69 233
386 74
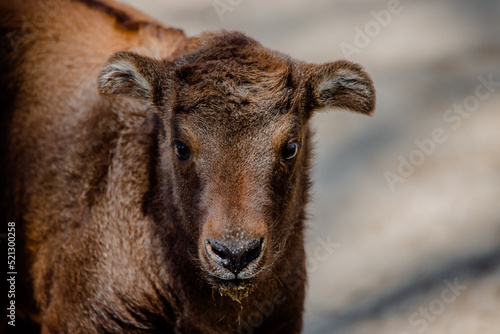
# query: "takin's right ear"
133 75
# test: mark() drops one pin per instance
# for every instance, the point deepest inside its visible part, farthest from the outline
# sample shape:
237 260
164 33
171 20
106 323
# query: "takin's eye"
182 151
289 151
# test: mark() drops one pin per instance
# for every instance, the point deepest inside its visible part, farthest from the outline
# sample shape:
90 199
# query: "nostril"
219 251
252 253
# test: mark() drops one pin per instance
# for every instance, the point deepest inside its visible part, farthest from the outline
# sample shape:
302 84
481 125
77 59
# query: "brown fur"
114 224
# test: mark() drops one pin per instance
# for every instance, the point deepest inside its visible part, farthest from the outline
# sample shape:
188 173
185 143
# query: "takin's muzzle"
235 259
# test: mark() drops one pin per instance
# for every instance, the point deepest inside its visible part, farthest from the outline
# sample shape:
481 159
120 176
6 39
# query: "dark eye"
289 151
181 150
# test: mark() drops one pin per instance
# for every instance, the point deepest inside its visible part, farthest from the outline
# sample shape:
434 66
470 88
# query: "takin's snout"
235 260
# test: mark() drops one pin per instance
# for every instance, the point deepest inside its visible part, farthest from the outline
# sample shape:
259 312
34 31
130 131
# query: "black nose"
234 256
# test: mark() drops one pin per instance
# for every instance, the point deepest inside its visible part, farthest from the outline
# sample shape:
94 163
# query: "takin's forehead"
245 101
232 77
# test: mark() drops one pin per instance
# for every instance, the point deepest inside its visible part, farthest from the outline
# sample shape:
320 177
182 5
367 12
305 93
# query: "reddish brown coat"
115 225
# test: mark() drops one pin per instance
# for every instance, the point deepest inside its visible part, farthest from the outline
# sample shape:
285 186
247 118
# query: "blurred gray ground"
398 251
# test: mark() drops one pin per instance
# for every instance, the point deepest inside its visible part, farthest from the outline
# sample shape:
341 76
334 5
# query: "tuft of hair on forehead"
224 53
221 39
233 66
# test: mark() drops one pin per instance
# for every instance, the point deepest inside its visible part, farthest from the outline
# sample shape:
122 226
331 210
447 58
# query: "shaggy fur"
113 224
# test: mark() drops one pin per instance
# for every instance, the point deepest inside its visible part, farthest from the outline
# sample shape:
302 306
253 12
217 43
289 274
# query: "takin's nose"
234 256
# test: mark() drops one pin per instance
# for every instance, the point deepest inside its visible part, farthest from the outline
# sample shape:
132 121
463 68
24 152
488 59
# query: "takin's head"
236 147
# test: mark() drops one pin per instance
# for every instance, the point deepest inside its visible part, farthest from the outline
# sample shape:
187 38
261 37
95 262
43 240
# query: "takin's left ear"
339 85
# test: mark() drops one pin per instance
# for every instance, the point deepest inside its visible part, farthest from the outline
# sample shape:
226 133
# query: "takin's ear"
133 75
339 85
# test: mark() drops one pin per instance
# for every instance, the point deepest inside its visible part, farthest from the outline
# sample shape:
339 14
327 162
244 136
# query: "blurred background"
404 229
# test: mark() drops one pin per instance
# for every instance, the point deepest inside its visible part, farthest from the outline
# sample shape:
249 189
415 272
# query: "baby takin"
159 182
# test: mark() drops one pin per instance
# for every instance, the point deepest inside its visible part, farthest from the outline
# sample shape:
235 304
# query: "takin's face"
238 142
